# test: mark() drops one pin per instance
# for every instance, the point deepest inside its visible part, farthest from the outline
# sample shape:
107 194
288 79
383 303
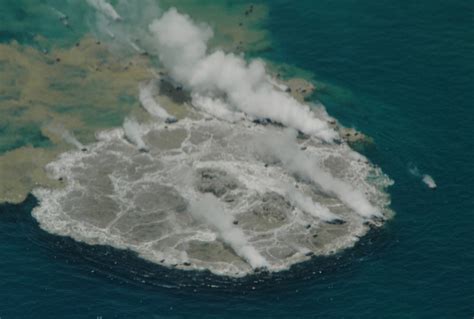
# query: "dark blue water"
400 71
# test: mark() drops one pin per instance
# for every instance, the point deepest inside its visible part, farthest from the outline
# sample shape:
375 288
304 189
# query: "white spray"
66 135
150 104
105 8
133 133
216 107
425 178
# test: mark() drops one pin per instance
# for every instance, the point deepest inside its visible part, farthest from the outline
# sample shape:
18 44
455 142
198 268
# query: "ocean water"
401 72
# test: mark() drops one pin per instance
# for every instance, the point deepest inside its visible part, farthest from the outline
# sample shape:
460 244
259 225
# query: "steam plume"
132 133
105 8
151 105
307 205
66 135
182 48
210 210
285 150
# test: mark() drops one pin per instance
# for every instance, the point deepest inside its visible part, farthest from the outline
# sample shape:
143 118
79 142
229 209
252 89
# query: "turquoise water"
402 72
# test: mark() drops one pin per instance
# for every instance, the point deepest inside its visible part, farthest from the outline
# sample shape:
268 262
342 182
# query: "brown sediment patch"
22 169
71 91
87 90
246 34
299 88
166 140
299 83
353 137
235 31
302 88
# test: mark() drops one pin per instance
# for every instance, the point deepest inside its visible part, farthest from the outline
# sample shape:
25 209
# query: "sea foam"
204 196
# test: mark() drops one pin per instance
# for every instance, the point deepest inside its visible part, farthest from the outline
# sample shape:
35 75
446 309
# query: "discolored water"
399 71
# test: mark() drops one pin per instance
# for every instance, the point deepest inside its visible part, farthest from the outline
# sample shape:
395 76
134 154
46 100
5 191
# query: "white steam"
182 48
133 133
216 107
66 135
150 104
307 205
130 35
285 150
105 8
58 13
211 211
277 85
